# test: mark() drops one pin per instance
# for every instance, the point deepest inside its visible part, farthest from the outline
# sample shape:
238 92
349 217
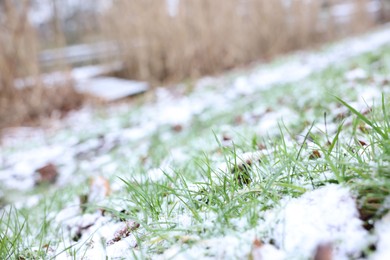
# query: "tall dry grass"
205 37
19 48
208 36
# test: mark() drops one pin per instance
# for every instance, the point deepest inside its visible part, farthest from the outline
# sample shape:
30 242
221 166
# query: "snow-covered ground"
80 147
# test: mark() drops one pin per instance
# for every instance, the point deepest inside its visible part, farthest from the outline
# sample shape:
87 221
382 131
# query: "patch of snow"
382 231
269 122
241 87
268 251
227 247
22 166
137 133
178 113
68 213
21 180
122 248
184 220
172 7
264 78
156 174
356 74
110 89
368 95
30 202
99 189
96 249
326 215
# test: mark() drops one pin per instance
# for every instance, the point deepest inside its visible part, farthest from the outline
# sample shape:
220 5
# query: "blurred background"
48 46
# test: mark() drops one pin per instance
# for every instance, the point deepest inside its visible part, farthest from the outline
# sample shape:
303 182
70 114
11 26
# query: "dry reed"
206 37
19 47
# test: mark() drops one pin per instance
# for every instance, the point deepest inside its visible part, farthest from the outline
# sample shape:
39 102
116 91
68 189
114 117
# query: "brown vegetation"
210 36
23 96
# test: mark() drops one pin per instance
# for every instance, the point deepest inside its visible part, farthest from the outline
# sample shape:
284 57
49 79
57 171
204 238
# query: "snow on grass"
297 227
327 215
211 173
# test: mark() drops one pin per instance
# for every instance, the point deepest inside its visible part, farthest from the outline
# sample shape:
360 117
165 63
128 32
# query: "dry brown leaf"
47 174
226 137
177 128
324 252
362 143
315 155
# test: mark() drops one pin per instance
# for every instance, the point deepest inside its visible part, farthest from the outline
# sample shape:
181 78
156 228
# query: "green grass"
196 199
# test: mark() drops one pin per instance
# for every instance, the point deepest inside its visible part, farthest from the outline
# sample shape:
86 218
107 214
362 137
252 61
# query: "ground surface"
266 163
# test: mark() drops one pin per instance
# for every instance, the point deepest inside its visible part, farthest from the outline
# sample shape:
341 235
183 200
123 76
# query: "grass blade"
364 118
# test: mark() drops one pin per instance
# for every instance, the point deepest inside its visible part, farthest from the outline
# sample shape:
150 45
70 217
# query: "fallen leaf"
177 128
257 243
238 120
315 155
385 82
144 159
47 174
324 252
362 143
341 116
226 137
367 111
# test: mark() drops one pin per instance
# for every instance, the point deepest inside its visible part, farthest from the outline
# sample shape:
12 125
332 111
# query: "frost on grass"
324 216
